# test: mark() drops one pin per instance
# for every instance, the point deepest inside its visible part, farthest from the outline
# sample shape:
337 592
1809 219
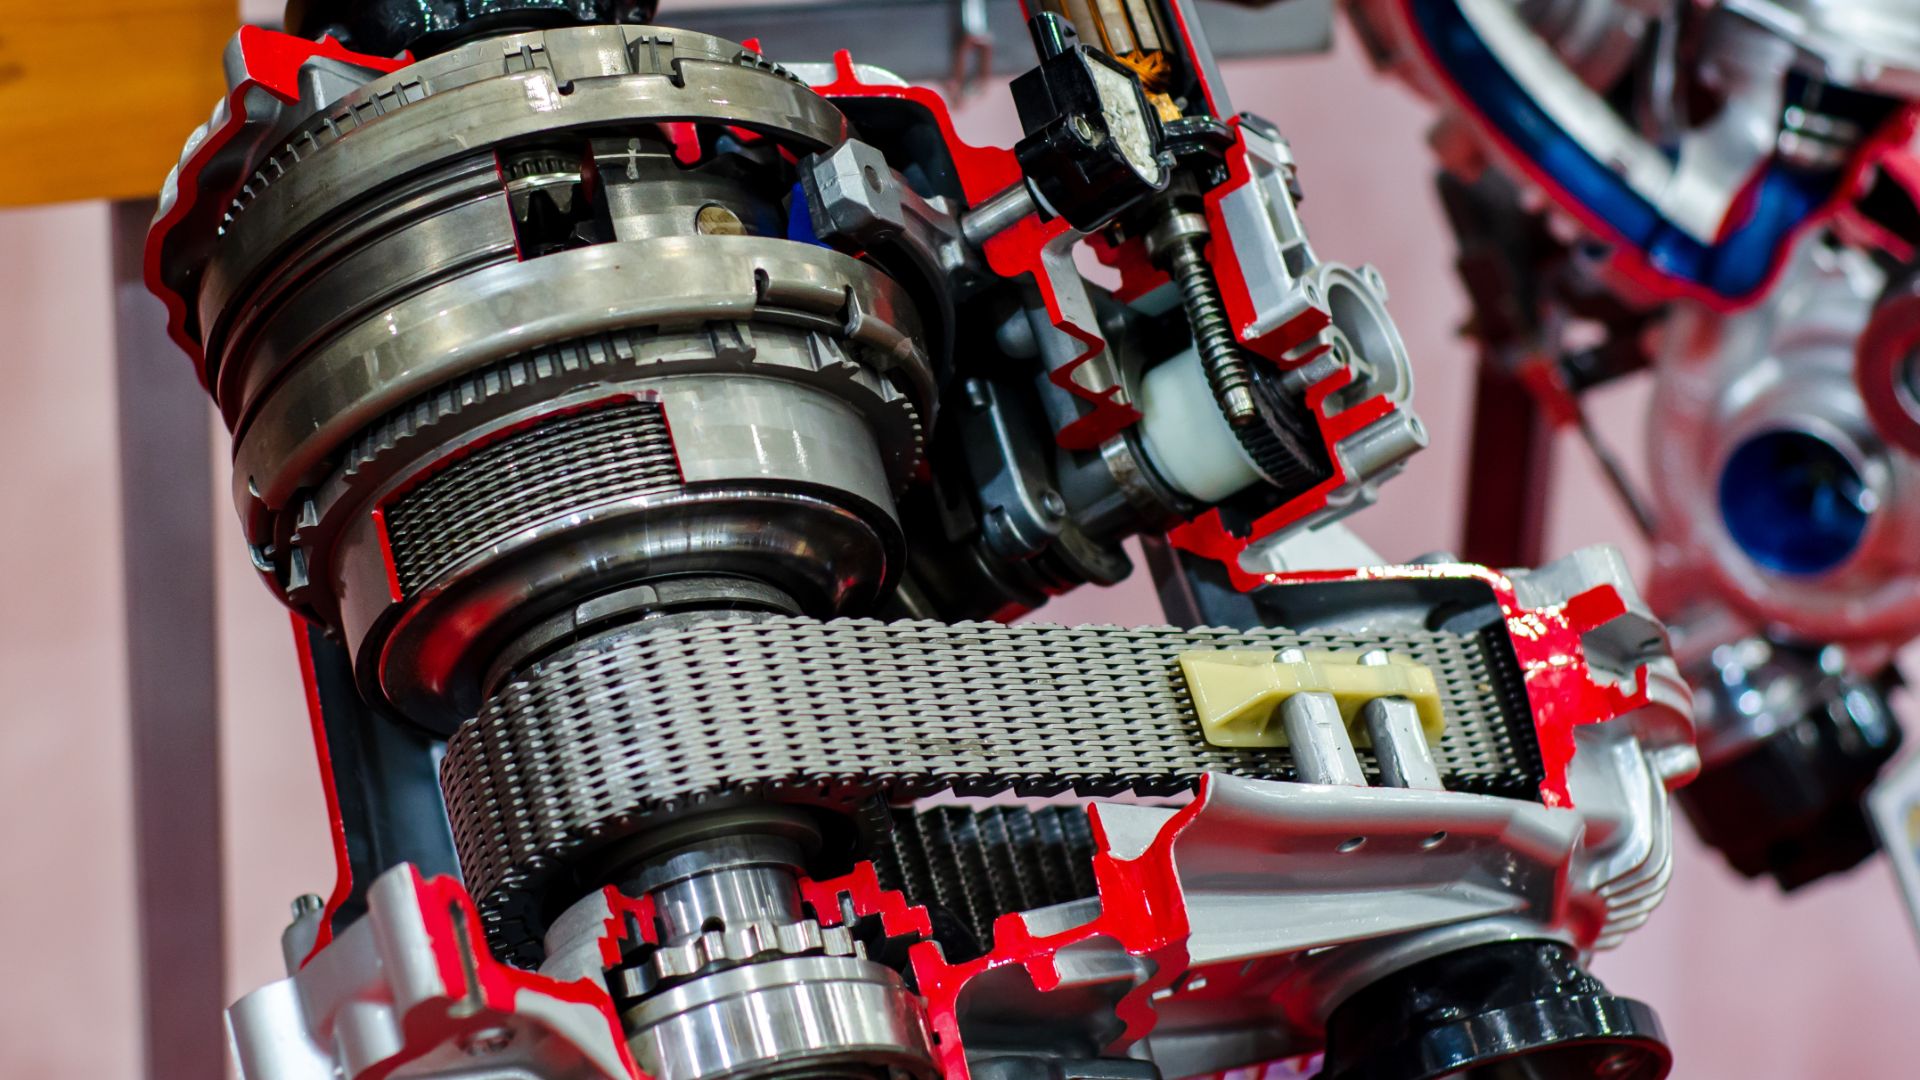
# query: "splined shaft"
1179 242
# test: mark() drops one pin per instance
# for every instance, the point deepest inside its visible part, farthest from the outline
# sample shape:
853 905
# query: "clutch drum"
514 343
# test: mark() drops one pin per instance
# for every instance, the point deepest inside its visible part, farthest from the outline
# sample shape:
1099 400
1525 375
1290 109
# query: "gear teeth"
509 376
1285 443
647 54
977 865
745 944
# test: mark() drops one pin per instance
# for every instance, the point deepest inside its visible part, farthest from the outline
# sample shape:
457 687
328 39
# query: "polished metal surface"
356 1012
1317 737
923 40
1786 365
1752 690
509 89
1869 45
1393 727
821 1015
1398 740
730 880
764 478
1566 55
1302 894
433 663
728 900
996 213
1287 281
584 385
424 341
1596 38
1178 242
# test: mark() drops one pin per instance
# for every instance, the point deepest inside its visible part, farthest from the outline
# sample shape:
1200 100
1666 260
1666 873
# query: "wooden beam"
97 99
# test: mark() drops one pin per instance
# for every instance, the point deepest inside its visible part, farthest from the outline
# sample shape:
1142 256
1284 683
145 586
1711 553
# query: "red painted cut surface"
1138 275
323 758
272 61
624 911
685 139
1562 690
985 171
1142 910
467 1010
1543 379
1627 259
1280 343
861 890
1207 535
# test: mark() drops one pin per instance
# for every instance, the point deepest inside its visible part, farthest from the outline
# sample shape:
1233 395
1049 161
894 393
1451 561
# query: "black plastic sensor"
1094 146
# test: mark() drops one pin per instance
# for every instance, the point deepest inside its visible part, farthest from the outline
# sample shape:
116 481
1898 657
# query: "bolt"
1291 655
1374 658
1053 504
307 904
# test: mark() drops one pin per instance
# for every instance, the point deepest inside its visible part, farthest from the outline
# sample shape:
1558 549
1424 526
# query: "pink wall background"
1826 983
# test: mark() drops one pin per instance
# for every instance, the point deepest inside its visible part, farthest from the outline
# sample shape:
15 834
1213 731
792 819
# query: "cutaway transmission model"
638 428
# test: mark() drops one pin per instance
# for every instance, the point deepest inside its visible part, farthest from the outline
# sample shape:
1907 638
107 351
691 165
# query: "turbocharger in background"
1787 562
1728 179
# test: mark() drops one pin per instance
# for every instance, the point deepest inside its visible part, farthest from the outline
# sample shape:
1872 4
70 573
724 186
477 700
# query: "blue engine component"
1794 503
1738 262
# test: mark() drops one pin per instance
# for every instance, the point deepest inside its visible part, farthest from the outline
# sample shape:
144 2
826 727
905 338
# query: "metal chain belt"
591 745
969 866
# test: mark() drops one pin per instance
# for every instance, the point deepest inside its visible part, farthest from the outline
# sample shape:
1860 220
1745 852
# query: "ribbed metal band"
558 465
588 746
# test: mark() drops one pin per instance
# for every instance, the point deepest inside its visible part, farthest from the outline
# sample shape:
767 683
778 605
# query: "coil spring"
1220 359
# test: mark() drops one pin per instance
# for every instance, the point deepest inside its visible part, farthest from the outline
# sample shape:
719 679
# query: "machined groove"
431 230
511 109
559 466
492 314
